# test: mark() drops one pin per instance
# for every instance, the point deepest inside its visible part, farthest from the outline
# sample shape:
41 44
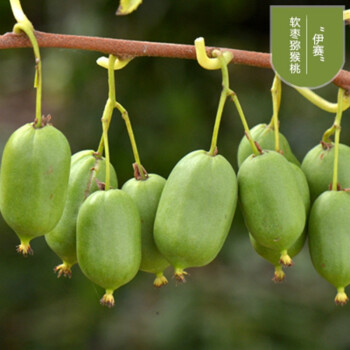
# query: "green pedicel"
264 135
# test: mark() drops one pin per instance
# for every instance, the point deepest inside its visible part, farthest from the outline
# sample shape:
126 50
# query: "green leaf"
127 6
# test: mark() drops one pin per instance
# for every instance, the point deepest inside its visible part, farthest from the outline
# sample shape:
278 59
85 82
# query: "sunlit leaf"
127 6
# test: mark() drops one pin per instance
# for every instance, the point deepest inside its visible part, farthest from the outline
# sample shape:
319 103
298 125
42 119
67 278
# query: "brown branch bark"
132 48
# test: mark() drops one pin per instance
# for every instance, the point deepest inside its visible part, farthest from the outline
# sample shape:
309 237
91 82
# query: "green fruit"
87 168
195 211
109 240
146 194
33 183
302 186
271 203
273 256
318 168
264 135
329 239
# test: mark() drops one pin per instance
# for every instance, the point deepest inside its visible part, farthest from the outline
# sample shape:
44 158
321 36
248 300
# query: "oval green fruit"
146 194
264 135
271 202
33 181
195 211
329 239
109 240
318 168
273 256
87 169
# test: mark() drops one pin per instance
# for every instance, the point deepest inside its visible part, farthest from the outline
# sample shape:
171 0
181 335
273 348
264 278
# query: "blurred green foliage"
230 304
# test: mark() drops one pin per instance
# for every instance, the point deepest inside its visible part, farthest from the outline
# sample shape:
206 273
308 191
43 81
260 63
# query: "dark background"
231 303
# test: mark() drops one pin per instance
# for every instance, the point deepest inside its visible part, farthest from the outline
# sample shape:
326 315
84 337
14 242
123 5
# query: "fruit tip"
24 249
63 269
285 259
341 298
160 280
180 274
279 275
108 299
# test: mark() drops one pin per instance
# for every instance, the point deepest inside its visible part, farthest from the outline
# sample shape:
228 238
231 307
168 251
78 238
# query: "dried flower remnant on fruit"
24 249
160 280
108 299
137 173
279 275
180 275
285 259
341 297
63 269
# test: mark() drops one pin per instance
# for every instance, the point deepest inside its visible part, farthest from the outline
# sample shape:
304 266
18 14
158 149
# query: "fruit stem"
321 102
106 119
328 133
125 116
276 92
220 109
225 93
107 116
223 96
337 127
111 95
24 25
235 100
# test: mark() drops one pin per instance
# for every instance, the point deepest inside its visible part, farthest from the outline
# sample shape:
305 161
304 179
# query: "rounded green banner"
307 43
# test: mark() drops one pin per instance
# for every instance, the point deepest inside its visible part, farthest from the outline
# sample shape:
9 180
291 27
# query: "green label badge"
307 43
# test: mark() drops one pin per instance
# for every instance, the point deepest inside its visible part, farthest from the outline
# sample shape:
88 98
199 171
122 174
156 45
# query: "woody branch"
133 48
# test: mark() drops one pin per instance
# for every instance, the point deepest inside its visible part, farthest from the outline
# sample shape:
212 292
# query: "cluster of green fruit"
45 191
276 194
152 223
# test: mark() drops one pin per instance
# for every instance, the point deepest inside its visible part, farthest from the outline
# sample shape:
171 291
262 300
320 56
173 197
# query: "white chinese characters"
318 46
294 45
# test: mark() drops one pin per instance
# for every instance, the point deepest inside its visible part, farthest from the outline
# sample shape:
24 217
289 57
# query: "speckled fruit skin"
318 168
146 195
34 180
85 169
109 238
329 237
196 209
271 202
265 137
